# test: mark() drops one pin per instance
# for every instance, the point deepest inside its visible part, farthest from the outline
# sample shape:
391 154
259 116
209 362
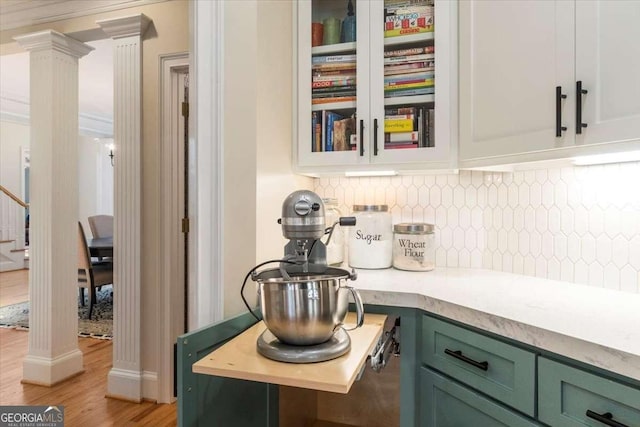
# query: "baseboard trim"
47 371
125 385
150 386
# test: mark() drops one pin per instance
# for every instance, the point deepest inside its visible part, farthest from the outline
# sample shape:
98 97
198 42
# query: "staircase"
14 253
12 257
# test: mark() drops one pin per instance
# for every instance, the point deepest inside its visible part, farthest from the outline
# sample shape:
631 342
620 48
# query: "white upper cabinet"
608 65
521 64
348 91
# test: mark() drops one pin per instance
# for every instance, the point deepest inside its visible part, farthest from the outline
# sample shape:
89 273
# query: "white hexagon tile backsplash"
576 224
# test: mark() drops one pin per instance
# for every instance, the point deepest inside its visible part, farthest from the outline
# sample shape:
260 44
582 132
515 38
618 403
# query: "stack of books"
404 17
331 131
408 127
409 71
333 78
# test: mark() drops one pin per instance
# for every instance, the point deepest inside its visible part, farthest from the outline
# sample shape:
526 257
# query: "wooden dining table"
101 246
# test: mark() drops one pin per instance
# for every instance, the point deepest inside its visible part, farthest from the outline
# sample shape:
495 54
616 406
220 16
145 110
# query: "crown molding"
16 14
15 109
128 26
50 39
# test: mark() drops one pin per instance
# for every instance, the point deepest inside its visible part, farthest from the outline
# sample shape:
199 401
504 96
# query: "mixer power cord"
249 275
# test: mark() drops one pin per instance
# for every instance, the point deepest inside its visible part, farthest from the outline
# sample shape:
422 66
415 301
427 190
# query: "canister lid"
370 208
413 228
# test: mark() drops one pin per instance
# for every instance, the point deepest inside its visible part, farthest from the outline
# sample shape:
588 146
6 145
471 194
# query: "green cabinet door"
205 400
446 403
571 397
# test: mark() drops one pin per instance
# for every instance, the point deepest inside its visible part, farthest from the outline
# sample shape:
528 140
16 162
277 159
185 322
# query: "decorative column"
125 378
53 316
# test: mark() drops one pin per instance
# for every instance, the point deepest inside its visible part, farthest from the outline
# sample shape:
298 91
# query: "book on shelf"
393 86
333 99
331 118
342 131
325 68
409 58
316 131
431 124
339 94
410 51
402 137
408 20
413 67
329 59
409 92
332 83
398 125
344 73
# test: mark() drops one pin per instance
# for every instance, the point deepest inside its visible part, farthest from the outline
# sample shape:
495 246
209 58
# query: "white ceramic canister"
335 248
371 239
414 247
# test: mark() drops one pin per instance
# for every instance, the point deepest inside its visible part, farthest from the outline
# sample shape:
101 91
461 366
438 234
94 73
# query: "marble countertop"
597 326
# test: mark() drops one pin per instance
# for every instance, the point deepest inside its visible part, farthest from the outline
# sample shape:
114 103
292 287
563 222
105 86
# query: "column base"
125 385
50 371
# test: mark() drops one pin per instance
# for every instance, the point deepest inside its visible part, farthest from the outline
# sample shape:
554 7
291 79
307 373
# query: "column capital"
53 40
128 26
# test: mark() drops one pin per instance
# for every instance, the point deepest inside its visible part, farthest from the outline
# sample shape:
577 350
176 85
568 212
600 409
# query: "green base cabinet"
205 400
566 395
502 371
445 403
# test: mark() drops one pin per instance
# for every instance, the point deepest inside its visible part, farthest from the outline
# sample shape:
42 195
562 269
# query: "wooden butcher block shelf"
240 359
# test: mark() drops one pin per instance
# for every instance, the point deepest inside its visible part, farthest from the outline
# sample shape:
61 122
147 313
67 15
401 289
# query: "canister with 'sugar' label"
371 240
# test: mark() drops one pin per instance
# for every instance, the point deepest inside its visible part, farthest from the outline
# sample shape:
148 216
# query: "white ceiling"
95 88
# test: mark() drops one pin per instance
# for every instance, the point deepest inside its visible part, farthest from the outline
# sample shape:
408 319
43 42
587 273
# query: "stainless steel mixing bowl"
306 309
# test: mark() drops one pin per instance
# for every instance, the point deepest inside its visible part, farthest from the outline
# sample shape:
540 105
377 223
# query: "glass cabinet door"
410 75
332 82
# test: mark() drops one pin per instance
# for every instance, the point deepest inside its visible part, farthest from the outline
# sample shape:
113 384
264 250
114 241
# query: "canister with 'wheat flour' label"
371 240
414 246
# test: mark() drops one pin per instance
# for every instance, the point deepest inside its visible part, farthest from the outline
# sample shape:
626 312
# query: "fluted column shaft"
53 317
125 378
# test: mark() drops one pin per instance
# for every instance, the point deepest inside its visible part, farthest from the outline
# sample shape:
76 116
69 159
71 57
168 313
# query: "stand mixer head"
303 223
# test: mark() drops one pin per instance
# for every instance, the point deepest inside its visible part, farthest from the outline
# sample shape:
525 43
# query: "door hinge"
185 225
185 109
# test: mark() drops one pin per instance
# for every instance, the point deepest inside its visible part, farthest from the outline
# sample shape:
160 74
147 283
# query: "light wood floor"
83 396
14 287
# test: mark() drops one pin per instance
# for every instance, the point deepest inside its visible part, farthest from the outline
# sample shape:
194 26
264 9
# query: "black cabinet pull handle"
375 137
579 93
458 355
361 137
606 418
559 97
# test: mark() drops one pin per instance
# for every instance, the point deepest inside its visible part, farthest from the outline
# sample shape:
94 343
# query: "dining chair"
101 225
91 275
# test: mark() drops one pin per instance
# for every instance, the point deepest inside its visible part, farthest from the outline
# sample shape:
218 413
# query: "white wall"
257 138
95 179
13 138
94 169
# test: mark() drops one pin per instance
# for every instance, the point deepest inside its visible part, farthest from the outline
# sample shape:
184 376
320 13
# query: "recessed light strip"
370 173
599 159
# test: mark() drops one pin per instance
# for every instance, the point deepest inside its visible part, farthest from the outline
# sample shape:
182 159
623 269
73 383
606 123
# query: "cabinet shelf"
334 48
415 99
411 38
334 106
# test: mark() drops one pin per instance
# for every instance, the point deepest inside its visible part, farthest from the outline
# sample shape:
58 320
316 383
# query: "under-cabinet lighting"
370 173
599 159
